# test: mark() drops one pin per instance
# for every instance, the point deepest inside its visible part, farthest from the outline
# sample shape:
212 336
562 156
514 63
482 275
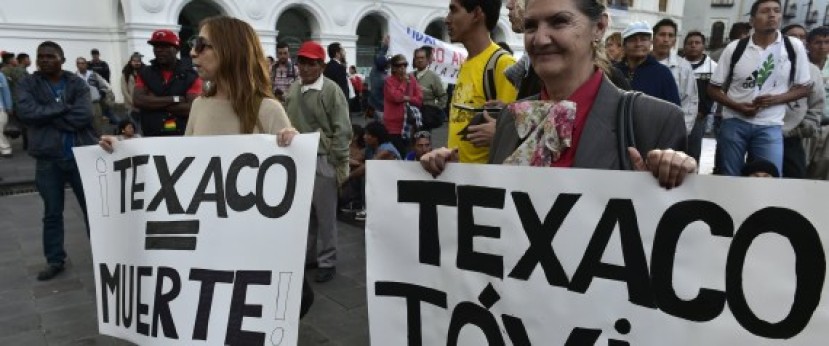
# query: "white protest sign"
447 58
500 255
199 240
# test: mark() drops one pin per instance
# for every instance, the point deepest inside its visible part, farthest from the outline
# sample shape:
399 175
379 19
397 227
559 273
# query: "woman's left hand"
285 136
668 166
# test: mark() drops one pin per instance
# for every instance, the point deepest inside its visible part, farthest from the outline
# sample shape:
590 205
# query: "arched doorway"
370 32
717 35
437 29
189 19
295 26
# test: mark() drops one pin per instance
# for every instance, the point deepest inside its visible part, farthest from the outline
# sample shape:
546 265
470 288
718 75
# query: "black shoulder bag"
624 128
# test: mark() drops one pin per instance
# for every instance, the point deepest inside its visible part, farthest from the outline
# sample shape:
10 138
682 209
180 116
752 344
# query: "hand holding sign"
668 166
435 161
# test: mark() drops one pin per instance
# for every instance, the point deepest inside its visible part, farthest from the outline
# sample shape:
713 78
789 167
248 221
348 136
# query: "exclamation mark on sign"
101 166
281 307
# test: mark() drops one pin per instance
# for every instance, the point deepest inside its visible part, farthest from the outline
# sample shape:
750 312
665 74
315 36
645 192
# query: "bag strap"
490 92
624 128
792 58
735 57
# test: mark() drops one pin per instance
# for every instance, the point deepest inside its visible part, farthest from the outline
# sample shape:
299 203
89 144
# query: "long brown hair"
243 68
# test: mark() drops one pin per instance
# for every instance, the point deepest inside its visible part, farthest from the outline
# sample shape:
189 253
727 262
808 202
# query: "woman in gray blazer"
575 120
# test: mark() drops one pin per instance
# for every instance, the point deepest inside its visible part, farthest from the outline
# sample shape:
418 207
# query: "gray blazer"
657 125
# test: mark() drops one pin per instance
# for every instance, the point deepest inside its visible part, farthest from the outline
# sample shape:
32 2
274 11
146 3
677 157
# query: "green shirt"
324 111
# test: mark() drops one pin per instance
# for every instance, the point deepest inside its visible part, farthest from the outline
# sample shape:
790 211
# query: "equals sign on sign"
172 235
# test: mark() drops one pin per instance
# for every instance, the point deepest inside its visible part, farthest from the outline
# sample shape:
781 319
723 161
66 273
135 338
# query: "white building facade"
714 18
623 12
119 27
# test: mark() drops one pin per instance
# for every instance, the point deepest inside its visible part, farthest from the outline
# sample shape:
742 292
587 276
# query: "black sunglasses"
401 65
199 44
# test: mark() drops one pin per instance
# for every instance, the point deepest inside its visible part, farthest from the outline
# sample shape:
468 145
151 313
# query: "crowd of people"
565 103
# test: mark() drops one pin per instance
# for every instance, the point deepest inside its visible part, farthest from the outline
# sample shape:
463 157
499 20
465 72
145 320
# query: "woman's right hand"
435 161
107 143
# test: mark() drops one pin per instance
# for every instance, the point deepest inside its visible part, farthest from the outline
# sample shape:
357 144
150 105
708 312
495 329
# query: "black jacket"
152 121
337 73
48 117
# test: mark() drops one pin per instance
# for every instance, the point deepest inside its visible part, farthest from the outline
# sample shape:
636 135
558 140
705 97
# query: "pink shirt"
393 109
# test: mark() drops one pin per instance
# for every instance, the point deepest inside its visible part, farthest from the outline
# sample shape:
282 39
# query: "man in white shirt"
664 39
99 91
764 79
703 66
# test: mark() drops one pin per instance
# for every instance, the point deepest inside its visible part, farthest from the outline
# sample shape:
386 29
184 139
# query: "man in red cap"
316 103
165 88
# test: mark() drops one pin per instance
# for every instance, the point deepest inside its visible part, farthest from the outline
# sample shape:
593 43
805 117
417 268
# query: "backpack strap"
735 57
490 92
792 58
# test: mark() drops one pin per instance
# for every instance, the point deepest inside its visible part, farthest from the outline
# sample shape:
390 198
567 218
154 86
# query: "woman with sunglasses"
237 97
400 88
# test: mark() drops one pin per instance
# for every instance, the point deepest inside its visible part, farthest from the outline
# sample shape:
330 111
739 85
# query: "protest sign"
500 255
199 240
447 58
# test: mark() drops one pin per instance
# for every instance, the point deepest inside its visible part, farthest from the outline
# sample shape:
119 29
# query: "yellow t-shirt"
469 90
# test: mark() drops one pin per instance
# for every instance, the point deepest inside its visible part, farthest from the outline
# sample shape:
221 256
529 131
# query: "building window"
826 16
790 10
717 35
620 4
663 5
722 3
812 18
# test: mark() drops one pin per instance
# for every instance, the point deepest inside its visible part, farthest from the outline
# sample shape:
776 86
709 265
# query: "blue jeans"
51 177
737 138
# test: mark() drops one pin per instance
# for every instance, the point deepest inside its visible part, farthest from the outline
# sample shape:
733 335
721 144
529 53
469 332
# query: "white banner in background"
499 255
199 240
447 58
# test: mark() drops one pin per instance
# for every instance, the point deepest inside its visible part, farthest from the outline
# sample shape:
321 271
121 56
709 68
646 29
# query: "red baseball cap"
311 50
164 36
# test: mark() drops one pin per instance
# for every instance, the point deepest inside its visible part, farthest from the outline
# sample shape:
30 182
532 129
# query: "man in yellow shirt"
470 22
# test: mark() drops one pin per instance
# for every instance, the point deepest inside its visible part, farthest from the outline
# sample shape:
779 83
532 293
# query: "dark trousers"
399 143
51 177
794 158
695 139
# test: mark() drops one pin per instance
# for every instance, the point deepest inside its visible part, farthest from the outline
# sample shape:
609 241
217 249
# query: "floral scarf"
546 129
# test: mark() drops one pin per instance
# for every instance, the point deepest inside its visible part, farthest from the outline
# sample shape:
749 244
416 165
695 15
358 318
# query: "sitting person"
422 145
126 130
760 168
378 147
352 198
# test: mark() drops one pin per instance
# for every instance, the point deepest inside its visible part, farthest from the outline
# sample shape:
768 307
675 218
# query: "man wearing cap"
641 69
99 66
315 103
165 88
